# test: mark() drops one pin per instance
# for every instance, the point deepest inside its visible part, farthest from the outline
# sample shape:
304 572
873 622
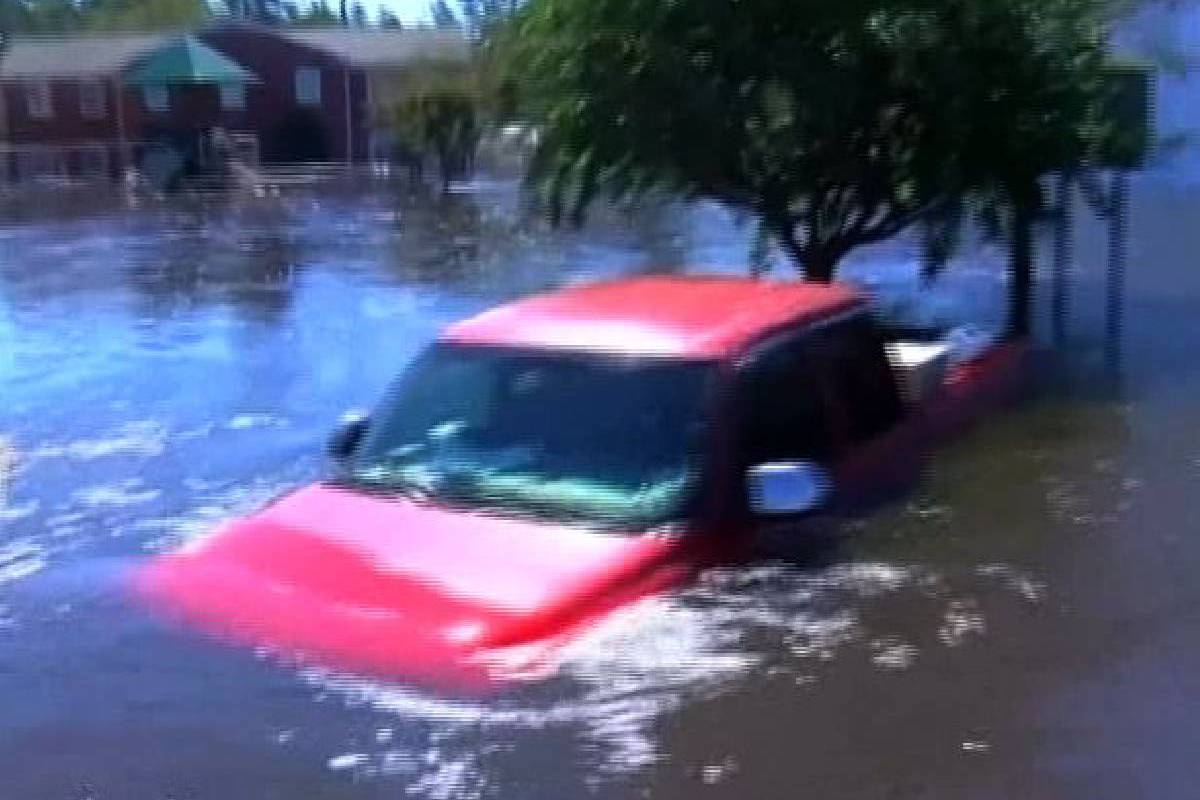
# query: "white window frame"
233 96
156 98
308 86
93 100
39 99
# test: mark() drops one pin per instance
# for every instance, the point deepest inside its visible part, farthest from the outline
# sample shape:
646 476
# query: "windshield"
608 441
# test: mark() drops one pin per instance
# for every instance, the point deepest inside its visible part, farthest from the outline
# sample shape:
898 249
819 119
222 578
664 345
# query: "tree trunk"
817 263
820 266
1020 268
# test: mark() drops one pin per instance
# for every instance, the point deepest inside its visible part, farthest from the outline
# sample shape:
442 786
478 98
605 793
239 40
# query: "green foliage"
318 14
1125 133
260 10
65 16
442 113
836 123
482 17
125 15
443 16
42 16
388 18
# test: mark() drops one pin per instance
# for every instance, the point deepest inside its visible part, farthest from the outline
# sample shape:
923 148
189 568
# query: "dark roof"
382 48
682 317
95 55
188 61
100 55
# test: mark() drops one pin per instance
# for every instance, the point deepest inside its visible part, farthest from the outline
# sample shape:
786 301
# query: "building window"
39 163
156 98
233 96
308 86
39 100
93 162
91 99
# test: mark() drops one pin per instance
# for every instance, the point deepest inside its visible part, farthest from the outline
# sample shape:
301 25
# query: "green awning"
188 61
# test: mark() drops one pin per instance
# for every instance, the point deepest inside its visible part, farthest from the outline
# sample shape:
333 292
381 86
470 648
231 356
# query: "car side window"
782 407
861 380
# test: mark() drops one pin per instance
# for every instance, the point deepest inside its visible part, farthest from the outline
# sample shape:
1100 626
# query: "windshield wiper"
409 490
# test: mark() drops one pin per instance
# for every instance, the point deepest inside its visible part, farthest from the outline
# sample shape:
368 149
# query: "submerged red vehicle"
556 458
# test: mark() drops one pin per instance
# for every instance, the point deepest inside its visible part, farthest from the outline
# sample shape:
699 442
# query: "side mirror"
787 487
348 436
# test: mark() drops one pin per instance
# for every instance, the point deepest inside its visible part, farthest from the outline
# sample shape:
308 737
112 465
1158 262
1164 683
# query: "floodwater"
1021 626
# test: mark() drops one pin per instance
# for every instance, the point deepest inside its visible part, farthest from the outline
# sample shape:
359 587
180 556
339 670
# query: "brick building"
87 107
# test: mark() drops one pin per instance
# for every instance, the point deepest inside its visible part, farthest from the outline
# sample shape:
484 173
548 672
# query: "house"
91 106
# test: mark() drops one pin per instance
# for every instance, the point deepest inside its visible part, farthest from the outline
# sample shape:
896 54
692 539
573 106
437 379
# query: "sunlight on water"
616 683
128 492
204 518
141 438
193 375
20 558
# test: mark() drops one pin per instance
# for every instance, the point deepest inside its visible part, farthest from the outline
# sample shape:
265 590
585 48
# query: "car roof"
680 317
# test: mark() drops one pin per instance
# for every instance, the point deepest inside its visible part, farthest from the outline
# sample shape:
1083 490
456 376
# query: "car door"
873 440
782 411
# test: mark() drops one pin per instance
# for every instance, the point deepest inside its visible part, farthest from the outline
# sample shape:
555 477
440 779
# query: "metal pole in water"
1063 242
1118 236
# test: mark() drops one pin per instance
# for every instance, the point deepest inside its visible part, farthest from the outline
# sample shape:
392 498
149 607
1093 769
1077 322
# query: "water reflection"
165 368
251 266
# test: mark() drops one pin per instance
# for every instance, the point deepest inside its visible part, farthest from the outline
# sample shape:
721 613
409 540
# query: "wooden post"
1118 224
1063 241
5 154
1020 267
122 140
349 119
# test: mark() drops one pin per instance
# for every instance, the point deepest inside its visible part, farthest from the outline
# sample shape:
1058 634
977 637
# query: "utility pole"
1112 205
1118 245
1063 246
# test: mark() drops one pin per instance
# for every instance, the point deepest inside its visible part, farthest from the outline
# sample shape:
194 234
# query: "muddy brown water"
1023 625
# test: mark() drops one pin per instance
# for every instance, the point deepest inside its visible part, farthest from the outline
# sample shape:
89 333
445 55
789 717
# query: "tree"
443 16
14 18
442 113
127 15
39 17
482 16
260 10
388 19
835 124
318 14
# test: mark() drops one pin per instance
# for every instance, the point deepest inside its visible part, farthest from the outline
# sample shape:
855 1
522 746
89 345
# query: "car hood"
402 587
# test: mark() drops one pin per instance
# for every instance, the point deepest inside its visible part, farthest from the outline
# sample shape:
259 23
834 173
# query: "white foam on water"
115 495
140 438
1015 580
11 513
893 654
623 676
961 620
205 517
244 422
21 558
617 682
347 761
